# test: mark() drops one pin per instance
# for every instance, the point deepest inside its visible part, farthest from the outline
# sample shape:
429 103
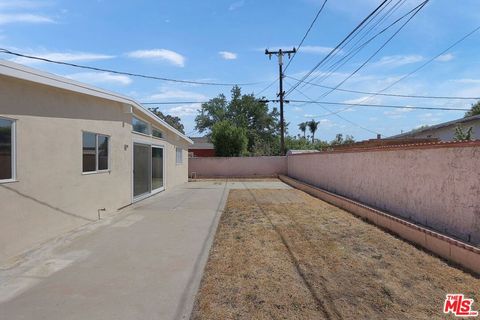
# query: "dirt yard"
282 254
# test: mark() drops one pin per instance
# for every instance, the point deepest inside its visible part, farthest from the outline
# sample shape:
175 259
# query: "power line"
2 50
389 94
378 105
338 45
306 34
356 49
419 68
339 116
419 7
267 87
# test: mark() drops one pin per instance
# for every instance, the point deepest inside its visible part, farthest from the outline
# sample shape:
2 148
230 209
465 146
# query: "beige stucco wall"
51 195
237 166
436 187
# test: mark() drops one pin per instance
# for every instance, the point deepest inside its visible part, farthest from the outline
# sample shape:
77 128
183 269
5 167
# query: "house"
70 153
445 131
202 147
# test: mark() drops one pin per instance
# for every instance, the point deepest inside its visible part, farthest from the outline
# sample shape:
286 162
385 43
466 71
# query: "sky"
224 41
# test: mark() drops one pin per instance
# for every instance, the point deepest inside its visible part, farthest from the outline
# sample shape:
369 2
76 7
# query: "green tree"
349 139
245 111
313 126
461 134
338 140
303 127
474 110
171 120
228 139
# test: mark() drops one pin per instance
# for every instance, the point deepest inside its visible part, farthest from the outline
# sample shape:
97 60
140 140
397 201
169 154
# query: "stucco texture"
237 166
51 195
435 187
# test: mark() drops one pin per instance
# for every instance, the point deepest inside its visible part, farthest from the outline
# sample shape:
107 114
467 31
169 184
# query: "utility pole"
280 53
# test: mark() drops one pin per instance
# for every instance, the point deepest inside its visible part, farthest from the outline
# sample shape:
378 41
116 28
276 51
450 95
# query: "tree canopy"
474 110
228 139
245 111
171 120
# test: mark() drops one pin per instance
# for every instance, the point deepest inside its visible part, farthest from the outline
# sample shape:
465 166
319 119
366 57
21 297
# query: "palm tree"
313 125
303 127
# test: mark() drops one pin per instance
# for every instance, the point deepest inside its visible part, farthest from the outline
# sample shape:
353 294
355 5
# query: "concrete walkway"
144 263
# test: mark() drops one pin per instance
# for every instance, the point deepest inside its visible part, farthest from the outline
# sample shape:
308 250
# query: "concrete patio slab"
144 263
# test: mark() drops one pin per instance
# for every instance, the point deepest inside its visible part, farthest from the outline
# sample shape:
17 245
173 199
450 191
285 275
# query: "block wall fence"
436 185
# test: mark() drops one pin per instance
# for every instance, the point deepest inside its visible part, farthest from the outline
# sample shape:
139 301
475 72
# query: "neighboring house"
445 131
70 153
202 147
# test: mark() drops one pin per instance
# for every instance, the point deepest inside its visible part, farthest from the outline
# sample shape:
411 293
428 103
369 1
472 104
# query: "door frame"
162 188
151 145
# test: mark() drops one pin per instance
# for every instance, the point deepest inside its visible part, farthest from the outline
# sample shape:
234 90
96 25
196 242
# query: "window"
102 152
157 133
140 126
179 156
7 136
95 152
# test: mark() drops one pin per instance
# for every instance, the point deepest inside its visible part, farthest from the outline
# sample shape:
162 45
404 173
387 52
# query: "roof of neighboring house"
19 71
438 126
201 143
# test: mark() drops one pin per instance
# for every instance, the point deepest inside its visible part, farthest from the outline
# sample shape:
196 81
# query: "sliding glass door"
141 169
148 169
157 168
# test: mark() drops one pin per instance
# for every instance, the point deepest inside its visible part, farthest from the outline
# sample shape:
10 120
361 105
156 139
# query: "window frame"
13 164
176 155
149 127
97 153
159 130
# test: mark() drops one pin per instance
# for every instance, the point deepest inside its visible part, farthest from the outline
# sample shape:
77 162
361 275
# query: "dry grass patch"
282 254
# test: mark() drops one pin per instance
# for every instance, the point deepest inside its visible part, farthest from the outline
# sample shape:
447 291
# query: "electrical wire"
6 51
356 49
350 51
421 6
390 94
339 116
338 45
463 38
306 34
377 105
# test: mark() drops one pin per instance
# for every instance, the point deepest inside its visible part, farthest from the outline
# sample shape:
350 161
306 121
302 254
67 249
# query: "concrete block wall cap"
424 145
408 224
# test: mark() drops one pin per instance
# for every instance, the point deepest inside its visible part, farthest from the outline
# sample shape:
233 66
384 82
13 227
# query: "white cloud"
159 54
63 57
175 94
236 5
397 113
7 18
184 110
297 109
317 49
467 81
18 4
100 77
445 57
227 55
365 99
399 60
